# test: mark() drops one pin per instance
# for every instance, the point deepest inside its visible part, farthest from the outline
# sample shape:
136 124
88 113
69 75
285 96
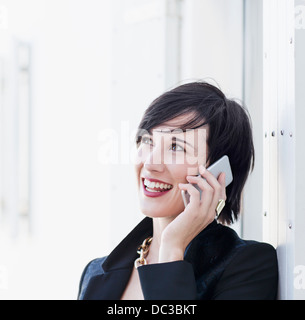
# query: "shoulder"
259 255
92 269
244 249
252 273
255 247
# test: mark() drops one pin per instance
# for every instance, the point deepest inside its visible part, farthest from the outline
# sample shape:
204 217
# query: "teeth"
152 185
152 190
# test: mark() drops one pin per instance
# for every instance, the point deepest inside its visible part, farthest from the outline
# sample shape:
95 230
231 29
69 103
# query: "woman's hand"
197 215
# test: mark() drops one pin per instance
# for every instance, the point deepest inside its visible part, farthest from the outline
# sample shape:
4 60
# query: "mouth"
155 188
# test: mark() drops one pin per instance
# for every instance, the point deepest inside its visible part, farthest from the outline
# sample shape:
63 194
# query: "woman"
188 252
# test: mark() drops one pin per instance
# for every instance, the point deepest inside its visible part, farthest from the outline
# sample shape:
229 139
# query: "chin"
159 213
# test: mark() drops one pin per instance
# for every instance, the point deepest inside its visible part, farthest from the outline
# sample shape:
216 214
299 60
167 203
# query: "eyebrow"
183 141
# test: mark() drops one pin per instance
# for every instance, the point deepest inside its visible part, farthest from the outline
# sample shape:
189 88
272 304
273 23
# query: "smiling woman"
185 251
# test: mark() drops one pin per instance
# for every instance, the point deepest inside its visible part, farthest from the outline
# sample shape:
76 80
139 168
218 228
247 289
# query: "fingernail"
189 177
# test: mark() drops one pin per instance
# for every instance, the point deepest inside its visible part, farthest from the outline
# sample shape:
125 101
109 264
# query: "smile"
155 188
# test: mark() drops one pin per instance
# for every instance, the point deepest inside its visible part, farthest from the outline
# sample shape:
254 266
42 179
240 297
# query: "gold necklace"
143 252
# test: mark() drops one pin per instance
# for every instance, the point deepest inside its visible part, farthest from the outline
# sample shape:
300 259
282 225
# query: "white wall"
145 64
212 48
212 43
70 98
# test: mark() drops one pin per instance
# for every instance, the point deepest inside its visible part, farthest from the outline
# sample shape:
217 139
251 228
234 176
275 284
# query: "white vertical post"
279 147
286 121
172 39
299 137
253 99
1 136
270 114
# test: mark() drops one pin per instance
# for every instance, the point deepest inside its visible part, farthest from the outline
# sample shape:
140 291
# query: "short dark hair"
230 131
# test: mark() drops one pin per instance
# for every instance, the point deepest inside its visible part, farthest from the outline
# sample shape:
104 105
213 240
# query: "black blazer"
217 265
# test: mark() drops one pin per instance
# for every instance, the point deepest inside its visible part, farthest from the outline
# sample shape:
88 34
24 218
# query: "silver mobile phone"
221 165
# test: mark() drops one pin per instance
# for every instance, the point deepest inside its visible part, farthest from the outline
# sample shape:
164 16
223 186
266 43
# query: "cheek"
188 169
192 170
180 171
193 163
138 168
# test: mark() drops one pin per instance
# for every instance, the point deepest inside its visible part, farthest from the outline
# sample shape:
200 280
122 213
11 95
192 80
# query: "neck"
159 224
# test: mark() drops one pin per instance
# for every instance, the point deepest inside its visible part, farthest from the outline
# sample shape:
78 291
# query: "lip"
154 194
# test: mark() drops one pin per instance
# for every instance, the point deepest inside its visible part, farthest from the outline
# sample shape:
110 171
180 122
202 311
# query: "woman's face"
164 159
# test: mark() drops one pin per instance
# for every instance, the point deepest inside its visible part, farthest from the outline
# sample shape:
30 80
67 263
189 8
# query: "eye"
176 147
146 140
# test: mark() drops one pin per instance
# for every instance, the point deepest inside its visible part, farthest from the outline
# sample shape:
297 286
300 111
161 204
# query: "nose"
153 167
154 160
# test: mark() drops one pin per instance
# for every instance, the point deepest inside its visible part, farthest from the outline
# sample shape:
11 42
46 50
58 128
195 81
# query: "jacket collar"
117 267
126 251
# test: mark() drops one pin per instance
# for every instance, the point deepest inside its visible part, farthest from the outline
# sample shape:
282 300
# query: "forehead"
173 127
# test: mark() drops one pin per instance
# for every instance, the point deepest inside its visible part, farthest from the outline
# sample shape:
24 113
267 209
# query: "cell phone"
221 165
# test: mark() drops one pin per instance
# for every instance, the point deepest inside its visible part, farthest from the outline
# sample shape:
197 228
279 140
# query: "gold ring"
221 204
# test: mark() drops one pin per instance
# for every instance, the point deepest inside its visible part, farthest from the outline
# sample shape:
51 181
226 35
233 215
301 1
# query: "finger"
208 184
222 181
193 192
219 186
207 191
212 181
201 182
204 203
